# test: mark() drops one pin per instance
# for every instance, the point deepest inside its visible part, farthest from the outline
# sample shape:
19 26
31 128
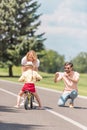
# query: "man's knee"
73 94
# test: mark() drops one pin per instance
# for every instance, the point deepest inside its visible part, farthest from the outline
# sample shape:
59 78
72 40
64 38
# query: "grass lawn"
47 80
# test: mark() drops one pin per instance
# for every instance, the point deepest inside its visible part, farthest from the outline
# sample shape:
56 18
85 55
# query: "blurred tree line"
80 62
52 62
19 22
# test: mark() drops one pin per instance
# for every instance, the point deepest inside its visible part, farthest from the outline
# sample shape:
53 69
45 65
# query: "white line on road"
68 119
55 113
47 89
8 92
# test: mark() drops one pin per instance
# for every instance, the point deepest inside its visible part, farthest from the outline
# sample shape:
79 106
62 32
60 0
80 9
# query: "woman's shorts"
29 86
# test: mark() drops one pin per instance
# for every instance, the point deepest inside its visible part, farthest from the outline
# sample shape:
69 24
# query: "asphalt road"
51 117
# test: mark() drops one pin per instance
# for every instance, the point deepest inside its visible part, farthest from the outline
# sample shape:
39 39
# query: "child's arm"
21 79
38 77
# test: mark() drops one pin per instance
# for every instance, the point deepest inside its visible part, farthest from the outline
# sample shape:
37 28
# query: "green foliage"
18 25
28 25
51 62
80 62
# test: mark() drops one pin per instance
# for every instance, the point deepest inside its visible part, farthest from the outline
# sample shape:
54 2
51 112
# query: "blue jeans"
65 96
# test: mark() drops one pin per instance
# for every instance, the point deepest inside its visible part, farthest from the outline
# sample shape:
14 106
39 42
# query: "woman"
30 56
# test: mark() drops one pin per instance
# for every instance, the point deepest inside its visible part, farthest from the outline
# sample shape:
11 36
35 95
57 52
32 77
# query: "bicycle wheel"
26 103
31 101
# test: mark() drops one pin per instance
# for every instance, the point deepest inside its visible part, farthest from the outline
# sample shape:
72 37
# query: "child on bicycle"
29 76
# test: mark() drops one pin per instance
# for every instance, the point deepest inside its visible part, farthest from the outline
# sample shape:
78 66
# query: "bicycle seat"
26 91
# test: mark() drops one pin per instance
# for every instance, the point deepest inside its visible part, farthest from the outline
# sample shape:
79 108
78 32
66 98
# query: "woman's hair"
32 54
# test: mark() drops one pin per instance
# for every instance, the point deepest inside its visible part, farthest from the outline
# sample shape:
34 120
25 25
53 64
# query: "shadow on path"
7 109
13 126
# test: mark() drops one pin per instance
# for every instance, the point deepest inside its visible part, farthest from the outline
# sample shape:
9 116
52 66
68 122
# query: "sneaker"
22 103
71 105
16 106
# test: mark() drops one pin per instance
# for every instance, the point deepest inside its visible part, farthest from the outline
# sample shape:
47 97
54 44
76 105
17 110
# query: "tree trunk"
10 71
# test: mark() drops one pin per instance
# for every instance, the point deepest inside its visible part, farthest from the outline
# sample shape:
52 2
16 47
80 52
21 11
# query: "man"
70 78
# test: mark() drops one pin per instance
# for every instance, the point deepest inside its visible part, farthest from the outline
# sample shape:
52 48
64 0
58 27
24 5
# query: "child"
29 76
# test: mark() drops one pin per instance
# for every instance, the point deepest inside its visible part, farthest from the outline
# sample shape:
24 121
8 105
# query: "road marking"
68 119
54 113
47 89
8 92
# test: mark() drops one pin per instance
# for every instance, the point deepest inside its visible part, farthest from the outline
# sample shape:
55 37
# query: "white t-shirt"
24 61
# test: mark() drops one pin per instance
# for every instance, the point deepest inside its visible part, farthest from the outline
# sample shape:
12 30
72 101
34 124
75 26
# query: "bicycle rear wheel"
28 104
31 101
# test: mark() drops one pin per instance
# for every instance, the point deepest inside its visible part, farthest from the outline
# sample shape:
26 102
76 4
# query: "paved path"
51 118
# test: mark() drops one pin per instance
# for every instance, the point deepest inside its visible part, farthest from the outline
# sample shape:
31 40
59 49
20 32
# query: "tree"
80 62
28 26
18 25
51 62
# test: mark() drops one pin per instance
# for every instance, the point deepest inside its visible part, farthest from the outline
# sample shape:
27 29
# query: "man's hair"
68 63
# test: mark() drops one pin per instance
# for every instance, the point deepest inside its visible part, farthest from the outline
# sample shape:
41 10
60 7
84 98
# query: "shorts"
29 86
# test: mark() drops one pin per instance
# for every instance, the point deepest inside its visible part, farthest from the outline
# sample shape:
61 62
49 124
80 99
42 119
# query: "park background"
56 31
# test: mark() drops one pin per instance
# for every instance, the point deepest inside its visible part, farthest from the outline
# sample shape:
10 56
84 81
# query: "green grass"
47 80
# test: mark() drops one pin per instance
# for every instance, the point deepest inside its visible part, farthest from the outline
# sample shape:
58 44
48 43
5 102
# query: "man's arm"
58 76
75 78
